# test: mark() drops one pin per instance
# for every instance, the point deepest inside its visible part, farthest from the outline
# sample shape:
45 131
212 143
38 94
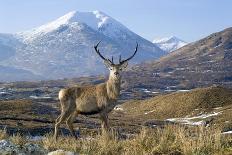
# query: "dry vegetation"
182 104
3 134
173 140
166 139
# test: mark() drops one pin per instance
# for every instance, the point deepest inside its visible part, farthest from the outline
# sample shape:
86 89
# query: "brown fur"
101 99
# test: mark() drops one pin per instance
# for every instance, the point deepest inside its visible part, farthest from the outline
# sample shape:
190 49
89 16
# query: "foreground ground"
171 140
177 122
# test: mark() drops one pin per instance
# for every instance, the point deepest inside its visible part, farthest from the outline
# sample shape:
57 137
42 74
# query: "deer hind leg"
69 123
104 122
58 118
65 113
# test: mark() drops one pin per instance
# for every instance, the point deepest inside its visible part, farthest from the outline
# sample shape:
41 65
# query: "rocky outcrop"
8 148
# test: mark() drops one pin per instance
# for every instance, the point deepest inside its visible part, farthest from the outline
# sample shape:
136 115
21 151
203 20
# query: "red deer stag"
96 99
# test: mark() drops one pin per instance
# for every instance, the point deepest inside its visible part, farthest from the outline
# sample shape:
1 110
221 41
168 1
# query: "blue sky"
189 20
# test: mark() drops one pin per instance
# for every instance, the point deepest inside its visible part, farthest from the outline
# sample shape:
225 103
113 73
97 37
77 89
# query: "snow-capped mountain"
63 48
8 44
169 44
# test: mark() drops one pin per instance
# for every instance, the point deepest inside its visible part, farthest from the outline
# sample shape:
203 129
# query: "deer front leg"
69 123
104 122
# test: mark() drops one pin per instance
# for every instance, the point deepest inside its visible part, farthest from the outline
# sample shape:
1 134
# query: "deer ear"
107 63
124 65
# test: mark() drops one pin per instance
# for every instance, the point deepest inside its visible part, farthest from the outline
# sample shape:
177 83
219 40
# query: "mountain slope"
64 48
9 74
202 63
63 52
196 107
169 44
8 45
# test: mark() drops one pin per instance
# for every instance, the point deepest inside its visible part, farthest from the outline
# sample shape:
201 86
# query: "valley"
169 86
37 111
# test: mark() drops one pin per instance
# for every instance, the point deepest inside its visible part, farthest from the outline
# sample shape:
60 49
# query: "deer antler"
98 52
122 61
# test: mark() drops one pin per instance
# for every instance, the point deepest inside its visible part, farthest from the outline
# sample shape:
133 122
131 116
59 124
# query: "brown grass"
182 104
3 134
18 139
171 140
15 105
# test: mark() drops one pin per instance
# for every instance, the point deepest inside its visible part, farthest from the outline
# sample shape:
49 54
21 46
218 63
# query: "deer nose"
116 73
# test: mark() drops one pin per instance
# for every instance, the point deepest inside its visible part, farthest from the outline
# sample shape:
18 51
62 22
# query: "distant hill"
202 63
169 44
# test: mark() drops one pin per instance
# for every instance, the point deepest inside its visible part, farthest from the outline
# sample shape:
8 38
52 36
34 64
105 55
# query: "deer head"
115 69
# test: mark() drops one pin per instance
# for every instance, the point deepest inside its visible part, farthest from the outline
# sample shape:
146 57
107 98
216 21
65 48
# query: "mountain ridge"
63 48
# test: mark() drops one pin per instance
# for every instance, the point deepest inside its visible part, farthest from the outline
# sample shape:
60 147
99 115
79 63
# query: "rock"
62 152
8 148
34 149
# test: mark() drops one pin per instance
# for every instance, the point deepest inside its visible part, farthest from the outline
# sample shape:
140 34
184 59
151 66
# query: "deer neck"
113 88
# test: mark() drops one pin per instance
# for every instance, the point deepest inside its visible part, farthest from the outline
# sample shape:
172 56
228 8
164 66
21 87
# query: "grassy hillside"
199 64
185 104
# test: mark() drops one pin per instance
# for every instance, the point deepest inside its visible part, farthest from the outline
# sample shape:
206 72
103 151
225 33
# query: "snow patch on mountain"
63 48
96 20
169 44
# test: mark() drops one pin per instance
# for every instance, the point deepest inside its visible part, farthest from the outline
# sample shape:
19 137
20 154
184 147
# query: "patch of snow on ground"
192 59
57 152
197 123
189 120
227 132
217 108
155 92
40 97
146 90
205 115
149 112
180 69
183 90
218 46
118 108
169 90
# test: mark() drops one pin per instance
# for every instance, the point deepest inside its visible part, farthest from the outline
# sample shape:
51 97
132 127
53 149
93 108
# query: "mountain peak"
64 47
169 44
166 39
95 20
